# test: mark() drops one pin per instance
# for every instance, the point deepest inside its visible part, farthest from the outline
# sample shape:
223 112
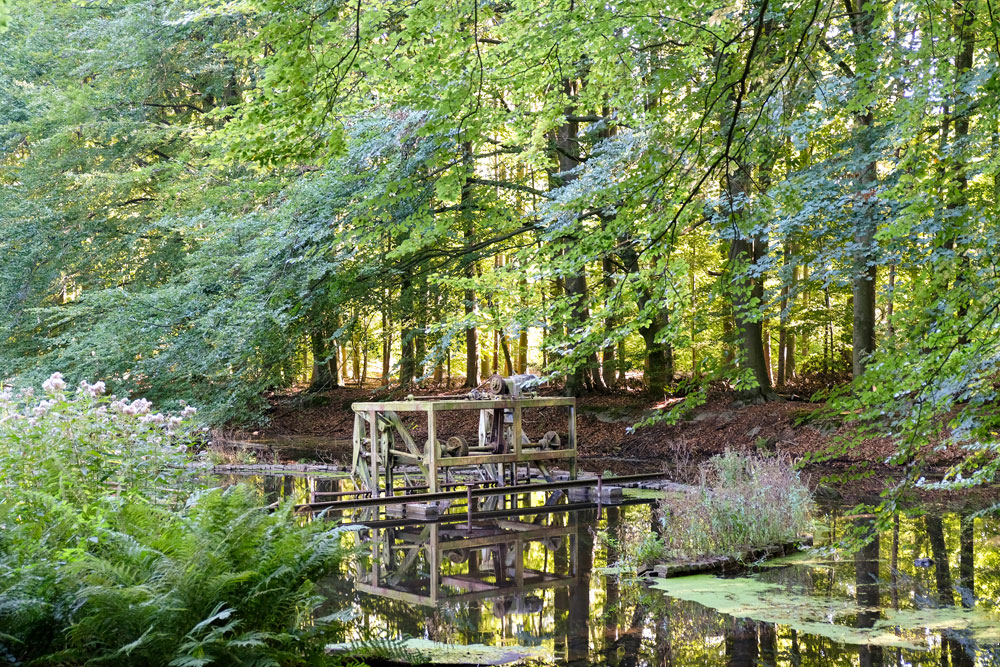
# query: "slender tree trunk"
866 201
622 364
407 360
522 351
574 284
505 346
694 318
386 345
766 340
471 305
785 341
496 351
608 364
420 306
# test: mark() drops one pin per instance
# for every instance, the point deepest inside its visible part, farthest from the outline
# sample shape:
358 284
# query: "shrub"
110 554
741 501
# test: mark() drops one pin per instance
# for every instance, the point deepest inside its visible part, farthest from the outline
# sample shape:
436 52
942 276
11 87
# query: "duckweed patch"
833 618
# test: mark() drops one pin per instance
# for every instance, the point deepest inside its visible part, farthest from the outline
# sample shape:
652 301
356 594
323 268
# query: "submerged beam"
477 493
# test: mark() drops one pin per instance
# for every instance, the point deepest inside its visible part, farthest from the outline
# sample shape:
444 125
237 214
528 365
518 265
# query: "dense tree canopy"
235 197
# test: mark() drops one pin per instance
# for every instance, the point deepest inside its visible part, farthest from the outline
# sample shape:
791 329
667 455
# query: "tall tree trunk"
471 305
407 360
765 334
866 202
786 342
508 362
522 351
421 306
659 366
608 364
575 282
659 357
320 366
356 353
748 291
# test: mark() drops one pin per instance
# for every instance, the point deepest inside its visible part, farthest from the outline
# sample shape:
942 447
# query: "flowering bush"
79 444
111 554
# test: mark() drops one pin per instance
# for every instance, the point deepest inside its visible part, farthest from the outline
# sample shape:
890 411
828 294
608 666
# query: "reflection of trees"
611 597
741 643
951 644
866 562
578 642
939 552
966 562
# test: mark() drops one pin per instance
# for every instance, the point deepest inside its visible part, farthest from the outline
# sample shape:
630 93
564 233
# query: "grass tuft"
741 501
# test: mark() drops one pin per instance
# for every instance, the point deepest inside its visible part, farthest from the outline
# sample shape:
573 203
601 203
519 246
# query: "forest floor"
606 439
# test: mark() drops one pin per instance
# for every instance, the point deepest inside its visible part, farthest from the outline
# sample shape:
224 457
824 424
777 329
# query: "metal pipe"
477 493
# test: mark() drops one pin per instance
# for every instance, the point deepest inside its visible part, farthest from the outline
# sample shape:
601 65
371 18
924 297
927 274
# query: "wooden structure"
435 564
387 449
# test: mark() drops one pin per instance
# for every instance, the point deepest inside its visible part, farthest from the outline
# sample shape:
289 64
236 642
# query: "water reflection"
540 580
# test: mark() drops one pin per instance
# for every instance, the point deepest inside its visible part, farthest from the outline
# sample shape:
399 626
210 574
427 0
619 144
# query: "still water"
556 588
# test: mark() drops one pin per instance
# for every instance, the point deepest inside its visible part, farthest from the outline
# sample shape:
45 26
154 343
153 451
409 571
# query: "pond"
550 586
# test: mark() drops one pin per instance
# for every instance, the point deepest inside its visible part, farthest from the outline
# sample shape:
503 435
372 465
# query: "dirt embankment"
606 438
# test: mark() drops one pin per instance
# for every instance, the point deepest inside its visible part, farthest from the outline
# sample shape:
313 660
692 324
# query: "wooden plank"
525 457
490 540
394 594
571 445
373 439
517 430
432 452
445 404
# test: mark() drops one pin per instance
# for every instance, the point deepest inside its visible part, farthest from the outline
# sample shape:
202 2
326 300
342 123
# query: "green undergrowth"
740 501
112 554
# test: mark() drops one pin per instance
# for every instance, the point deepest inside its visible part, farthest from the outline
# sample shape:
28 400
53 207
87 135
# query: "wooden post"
434 555
373 442
572 441
432 451
517 430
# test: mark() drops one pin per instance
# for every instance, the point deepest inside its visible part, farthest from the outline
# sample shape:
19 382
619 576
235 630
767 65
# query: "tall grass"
111 555
741 501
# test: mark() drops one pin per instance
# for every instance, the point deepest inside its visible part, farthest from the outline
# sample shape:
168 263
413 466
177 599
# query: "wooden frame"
378 429
399 581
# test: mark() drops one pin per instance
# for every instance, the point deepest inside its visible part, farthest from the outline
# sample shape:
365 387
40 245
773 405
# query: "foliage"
111 554
230 197
742 501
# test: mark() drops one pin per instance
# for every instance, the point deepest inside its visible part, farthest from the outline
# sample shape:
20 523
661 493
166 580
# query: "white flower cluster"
43 407
54 384
94 390
139 406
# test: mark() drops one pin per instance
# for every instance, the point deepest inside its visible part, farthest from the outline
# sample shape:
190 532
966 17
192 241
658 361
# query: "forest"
244 204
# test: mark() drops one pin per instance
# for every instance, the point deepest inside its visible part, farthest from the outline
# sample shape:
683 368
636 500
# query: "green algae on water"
833 618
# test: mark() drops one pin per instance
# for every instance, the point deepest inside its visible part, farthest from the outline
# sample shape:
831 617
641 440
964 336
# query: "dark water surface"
554 586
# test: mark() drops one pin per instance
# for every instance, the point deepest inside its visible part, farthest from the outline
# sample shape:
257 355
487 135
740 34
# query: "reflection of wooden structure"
433 563
385 447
